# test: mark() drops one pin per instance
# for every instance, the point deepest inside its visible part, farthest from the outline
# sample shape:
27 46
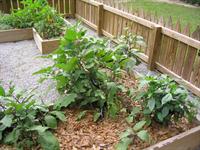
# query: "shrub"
163 100
3 22
50 24
25 123
86 71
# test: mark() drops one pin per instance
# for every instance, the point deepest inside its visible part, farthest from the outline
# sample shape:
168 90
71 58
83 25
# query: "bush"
163 100
86 70
25 123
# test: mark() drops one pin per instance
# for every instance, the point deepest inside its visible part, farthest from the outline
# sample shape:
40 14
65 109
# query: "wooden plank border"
15 35
188 140
45 46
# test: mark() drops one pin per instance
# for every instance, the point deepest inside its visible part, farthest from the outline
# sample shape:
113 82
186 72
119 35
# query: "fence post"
73 8
5 6
154 46
99 19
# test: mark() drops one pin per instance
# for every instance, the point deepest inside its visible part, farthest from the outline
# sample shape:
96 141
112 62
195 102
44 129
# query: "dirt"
104 135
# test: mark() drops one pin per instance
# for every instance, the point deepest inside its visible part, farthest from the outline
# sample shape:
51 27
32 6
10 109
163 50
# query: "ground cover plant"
38 14
24 123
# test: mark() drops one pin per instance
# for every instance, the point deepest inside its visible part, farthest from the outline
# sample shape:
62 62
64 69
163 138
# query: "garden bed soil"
45 46
88 135
14 35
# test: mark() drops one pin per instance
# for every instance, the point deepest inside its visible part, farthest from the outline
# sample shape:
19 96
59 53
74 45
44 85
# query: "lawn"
185 14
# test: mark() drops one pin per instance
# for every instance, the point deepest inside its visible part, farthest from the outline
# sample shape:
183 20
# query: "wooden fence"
167 51
163 21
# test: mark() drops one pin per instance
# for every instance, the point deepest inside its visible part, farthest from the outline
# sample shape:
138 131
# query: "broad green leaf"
2 91
97 115
38 128
12 137
165 111
135 111
124 143
143 135
69 66
60 115
71 34
160 117
139 125
113 110
65 101
151 104
126 133
48 141
81 115
129 119
7 120
51 121
44 70
167 98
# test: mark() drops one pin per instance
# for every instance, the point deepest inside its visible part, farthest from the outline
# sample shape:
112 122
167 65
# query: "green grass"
177 12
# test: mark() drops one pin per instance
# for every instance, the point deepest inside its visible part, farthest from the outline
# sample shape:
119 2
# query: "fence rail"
167 50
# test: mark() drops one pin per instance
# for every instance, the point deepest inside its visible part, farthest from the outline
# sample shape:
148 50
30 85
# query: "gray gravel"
18 61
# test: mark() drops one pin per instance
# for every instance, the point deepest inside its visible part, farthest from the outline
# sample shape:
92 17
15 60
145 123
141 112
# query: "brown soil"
88 135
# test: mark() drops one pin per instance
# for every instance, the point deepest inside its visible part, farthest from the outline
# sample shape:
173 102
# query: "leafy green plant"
163 100
128 136
127 45
36 14
3 22
25 123
86 70
51 24
28 15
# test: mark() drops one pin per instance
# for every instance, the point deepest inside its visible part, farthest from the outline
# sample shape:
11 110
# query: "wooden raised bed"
188 140
15 35
45 46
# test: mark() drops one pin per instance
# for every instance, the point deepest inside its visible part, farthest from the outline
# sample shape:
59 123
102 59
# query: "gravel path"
18 61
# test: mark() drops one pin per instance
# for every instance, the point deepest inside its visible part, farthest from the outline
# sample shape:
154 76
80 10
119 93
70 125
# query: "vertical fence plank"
155 43
99 19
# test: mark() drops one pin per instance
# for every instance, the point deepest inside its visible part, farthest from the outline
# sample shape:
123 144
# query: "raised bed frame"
188 140
45 46
14 35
